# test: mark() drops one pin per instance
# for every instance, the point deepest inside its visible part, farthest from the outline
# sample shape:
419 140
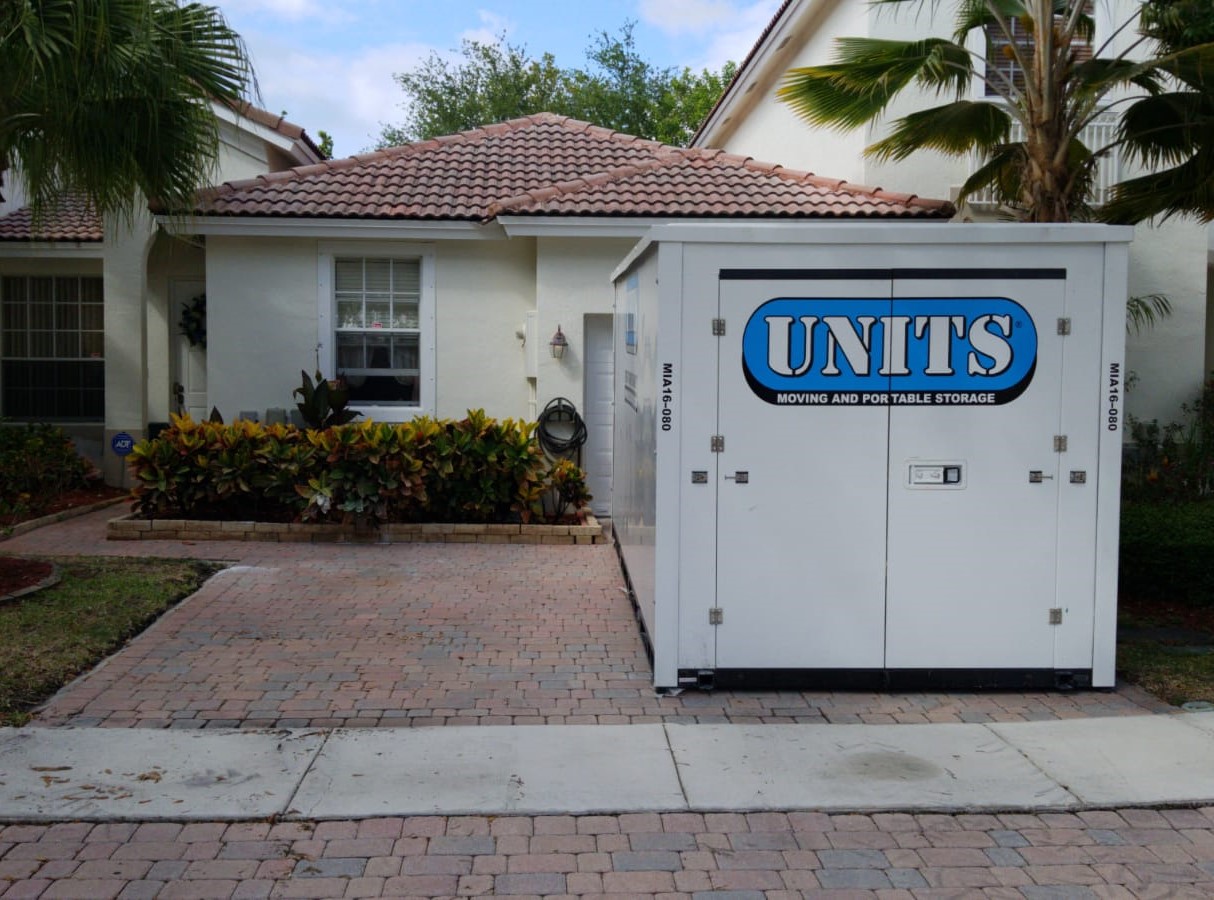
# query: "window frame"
56 332
980 41
327 320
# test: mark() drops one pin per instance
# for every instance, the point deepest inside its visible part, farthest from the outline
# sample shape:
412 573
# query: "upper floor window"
53 332
1001 51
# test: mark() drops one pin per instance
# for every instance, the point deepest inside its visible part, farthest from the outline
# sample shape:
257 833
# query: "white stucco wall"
241 155
573 280
483 291
769 130
1170 358
262 312
261 321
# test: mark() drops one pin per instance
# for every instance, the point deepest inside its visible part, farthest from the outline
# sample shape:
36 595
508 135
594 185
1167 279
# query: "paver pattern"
731 856
297 635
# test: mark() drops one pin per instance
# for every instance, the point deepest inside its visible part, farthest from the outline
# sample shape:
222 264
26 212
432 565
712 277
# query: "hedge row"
1167 551
476 469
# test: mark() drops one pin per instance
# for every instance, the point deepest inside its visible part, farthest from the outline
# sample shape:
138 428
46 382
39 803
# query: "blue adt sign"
122 443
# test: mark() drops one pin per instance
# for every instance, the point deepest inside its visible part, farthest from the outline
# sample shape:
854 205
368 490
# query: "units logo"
877 352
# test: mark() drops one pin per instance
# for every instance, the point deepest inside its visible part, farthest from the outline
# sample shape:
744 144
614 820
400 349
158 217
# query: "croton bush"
475 469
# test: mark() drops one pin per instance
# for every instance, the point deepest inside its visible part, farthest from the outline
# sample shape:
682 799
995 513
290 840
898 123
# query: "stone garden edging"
128 528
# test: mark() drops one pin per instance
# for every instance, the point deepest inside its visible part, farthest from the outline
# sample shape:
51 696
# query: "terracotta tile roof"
71 220
549 165
698 183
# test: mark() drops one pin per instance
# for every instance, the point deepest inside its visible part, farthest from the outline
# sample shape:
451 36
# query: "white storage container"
867 454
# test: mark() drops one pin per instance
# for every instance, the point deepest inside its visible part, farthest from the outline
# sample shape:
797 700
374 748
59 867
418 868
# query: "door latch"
1036 476
739 477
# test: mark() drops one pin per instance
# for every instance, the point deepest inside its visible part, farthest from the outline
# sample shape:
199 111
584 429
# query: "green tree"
492 82
1047 176
324 143
1171 133
107 98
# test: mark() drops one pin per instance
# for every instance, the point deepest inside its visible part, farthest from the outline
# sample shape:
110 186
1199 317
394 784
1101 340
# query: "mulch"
18 574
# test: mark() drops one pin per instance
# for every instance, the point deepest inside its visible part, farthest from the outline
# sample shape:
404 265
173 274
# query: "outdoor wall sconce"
559 344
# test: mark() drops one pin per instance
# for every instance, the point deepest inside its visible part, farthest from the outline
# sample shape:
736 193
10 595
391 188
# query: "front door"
189 359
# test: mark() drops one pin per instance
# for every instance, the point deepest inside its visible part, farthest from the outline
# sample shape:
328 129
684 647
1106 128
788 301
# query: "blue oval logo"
926 351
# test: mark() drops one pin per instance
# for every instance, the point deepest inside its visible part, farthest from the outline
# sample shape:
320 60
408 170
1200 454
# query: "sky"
328 64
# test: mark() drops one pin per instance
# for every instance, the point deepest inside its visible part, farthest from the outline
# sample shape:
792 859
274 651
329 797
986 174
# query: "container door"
801 477
974 472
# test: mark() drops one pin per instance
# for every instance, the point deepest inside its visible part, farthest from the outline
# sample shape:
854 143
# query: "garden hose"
561 430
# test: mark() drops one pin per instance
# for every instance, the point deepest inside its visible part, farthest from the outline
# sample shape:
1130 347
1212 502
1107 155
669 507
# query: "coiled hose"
561 430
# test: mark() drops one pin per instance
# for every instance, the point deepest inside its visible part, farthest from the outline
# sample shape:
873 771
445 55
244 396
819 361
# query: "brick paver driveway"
726 856
296 635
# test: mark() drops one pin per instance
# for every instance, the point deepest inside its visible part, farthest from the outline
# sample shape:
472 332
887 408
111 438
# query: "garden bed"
131 528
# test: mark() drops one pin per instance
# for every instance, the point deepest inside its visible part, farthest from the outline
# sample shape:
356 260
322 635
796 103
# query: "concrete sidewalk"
147 775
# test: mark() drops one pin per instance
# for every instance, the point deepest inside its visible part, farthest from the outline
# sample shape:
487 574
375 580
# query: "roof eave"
11 249
768 59
354 229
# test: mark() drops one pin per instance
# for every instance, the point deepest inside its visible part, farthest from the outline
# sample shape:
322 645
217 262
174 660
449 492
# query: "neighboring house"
1171 360
432 277
89 310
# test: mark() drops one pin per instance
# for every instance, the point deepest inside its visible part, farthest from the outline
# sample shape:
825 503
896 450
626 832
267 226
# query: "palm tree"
1040 74
104 99
1172 133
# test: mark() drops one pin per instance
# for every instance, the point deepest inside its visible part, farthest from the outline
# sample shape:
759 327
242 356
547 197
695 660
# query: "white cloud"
350 96
720 37
491 29
290 10
676 17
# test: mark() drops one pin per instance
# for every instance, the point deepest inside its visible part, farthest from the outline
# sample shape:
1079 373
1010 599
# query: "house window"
377 316
51 352
1001 64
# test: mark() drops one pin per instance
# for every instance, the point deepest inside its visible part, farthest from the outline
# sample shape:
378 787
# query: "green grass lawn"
50 637
1167 649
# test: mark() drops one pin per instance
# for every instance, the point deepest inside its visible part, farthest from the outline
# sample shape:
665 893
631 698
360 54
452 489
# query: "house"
88 331
1170 360
432 277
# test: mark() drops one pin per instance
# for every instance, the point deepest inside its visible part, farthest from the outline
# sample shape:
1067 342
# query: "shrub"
37 462
569 485
1173 462
211 470
476 469
1166 550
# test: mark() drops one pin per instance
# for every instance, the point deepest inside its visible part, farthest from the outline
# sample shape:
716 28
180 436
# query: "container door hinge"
716 616
1064 326
717 444
1060 443
1056 615
718 328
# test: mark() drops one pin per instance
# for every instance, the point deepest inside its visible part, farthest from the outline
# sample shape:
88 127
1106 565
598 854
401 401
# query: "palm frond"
1003 172
954 129
1166 129
106 98
1183 190
867 73
1144 311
